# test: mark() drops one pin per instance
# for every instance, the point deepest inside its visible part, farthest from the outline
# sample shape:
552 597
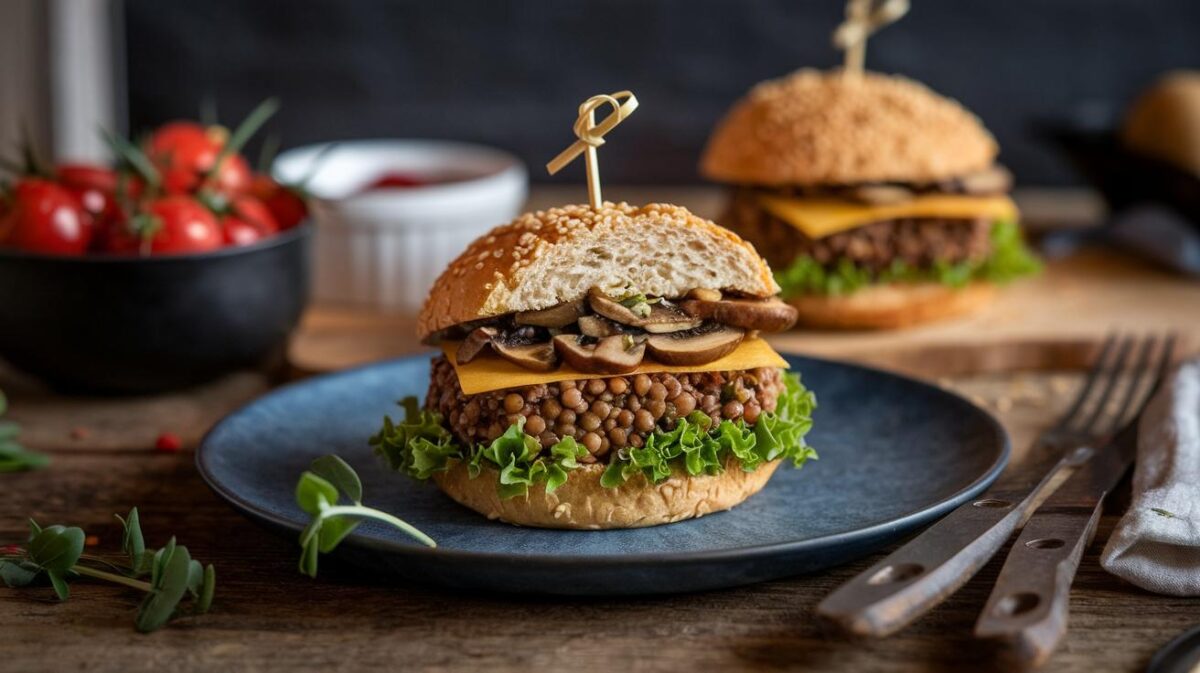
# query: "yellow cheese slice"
821 217
491 372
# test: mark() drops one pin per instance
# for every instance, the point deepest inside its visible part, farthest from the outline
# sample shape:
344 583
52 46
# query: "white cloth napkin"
1156 545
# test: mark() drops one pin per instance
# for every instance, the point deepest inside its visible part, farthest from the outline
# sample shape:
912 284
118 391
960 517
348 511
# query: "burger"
879 202
603 367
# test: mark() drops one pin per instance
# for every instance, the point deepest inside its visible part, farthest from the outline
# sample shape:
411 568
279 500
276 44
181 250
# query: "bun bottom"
583 504
891 306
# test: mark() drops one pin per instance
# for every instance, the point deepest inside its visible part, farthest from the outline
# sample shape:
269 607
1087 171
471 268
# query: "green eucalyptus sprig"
57 553
13 456
318 492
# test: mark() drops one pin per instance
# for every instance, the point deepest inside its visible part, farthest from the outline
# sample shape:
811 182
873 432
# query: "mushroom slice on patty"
768 315
539 357
617 354
517 348
881 195
699 346
599 327
994 180
555 316
657 318
479 339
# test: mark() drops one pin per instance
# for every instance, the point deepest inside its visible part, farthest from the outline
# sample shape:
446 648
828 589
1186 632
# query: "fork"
1027 611
912 580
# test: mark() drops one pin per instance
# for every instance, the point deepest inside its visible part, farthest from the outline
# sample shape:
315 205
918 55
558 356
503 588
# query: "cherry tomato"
93 185
171 224
285 203
248 221
45 217
185 151
100 191
168 442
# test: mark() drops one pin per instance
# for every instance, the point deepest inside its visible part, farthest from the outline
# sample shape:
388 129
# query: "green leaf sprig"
242 134
420 445
57 553
13 456
130 157
327 480
1009 259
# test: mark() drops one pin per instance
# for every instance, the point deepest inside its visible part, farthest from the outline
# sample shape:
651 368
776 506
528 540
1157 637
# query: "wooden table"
268 617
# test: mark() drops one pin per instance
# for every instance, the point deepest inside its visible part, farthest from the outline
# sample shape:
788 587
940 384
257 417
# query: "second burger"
878 201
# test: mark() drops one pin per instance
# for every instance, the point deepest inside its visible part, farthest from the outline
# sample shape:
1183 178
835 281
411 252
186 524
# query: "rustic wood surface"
268 617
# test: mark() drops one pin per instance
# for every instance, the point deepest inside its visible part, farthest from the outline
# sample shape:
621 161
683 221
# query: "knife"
1027 611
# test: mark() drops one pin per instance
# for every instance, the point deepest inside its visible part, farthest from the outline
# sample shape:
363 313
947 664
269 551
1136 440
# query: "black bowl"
118 324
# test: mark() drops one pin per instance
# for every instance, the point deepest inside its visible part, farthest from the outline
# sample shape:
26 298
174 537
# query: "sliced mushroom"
665 318
473 345
597 327
695 347
768 315
879 195
555 316
516 347
994 180
661 318
611 308
538 357
618 354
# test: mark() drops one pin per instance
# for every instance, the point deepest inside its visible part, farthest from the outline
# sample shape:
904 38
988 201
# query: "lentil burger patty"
920 242
601 414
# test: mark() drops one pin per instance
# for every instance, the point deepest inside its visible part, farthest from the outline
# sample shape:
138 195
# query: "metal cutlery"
1027 610
912 580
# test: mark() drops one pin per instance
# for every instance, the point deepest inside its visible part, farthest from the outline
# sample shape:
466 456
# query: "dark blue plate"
895 454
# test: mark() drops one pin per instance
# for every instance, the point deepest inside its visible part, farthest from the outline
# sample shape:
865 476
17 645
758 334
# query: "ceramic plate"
895 455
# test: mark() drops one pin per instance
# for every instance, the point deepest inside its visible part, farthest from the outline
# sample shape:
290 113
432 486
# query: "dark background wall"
510 73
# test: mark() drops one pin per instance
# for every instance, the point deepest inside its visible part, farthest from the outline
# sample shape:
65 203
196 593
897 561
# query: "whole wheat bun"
890 306
582 503
1164 122
553 256
814 127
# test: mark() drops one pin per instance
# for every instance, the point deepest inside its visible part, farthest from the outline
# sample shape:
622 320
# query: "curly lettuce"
420 446
1010 259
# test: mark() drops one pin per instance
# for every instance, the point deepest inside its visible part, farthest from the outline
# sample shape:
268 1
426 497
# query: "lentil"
620 412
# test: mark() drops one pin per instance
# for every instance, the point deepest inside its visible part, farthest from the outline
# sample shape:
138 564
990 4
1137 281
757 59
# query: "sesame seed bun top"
814 127
1164 122
552 256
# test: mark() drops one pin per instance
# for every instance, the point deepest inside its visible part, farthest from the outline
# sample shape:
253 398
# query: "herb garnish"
57 553
420 445
1164 513
1010 258
327 480
13 456
636 301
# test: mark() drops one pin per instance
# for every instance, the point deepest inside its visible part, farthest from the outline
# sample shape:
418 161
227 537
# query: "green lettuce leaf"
419 446
1010 259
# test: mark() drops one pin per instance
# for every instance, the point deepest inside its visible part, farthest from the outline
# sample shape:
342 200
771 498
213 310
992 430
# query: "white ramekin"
384 248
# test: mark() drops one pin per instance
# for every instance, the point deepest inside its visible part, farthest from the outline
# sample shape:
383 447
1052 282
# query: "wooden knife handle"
1027 611
915 578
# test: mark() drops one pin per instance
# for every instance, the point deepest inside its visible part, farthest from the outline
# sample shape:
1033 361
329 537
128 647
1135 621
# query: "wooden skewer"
591 135
864 18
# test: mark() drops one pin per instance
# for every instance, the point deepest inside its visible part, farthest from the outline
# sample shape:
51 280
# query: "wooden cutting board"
1053 321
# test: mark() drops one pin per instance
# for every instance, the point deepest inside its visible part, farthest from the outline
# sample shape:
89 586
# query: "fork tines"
1117 375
